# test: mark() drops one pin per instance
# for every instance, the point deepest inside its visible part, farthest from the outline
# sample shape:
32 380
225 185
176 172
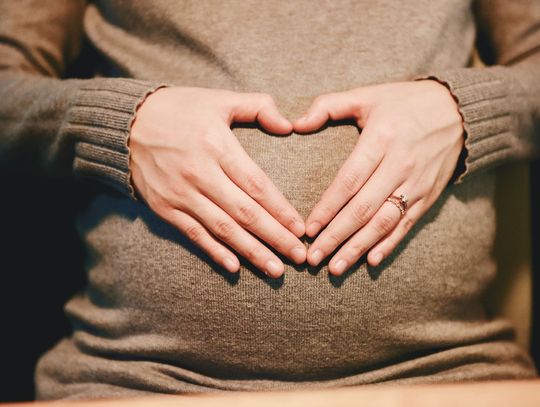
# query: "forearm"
500 103
500 106
63 127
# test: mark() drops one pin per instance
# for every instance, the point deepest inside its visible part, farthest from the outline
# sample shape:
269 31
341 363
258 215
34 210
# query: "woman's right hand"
192 171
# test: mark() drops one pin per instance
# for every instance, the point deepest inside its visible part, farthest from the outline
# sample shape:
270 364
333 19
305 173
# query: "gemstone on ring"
400 202
404 200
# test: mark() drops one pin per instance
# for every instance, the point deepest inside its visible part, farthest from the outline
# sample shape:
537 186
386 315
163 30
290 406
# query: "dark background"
535 219
42 268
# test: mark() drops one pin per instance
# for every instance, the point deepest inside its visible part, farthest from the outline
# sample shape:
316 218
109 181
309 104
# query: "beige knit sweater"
157 314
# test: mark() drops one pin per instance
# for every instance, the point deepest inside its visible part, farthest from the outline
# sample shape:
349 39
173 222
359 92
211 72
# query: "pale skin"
190 169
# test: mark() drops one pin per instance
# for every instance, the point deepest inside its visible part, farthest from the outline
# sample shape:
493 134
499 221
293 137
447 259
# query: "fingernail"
313 228
230 265
340 266
299 254
274 268
298 228
316 256
377 257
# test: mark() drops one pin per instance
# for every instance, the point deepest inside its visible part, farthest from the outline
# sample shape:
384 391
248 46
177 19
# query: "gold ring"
400 202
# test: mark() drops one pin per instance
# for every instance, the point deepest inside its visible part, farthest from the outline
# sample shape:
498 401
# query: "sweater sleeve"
499 103
53 126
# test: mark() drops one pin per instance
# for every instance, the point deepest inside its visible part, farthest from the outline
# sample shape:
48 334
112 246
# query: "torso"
154 297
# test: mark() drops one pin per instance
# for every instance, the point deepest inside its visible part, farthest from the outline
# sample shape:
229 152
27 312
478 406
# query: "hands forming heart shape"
190 169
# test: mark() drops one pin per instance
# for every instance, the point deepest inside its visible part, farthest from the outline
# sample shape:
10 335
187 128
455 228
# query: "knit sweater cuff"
483 102
100 120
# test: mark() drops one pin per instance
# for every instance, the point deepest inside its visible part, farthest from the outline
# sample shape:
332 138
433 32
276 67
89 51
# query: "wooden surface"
492 394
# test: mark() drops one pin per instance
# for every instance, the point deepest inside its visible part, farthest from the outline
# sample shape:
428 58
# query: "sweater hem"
100 121
483 104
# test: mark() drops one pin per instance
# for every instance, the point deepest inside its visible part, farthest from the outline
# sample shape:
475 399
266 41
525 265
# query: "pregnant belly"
153 295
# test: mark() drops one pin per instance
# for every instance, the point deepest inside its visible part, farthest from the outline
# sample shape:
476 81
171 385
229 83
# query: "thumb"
261 107
331 106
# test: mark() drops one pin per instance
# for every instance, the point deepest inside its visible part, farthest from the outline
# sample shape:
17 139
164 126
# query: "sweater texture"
157 314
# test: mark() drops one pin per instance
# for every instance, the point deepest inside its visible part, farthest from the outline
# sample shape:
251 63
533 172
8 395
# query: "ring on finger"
401 202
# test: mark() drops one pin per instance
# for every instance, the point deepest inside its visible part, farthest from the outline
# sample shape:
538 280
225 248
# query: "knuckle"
319 101
384 224
285 216
408 223
247 215
194 233
254 253
179 192
355 250
190 174
351 182
158 203
255 186
212 145
223 229
276 241
408 165
386 133
361 212
325 212
155 202
289 221
373 154
333 240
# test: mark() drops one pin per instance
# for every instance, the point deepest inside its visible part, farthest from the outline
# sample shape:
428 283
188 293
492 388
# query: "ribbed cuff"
484 104
100 121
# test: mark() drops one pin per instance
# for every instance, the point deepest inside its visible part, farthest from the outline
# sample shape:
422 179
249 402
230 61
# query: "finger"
249 177
385 220
387 245
198 234
331 106
251 216
261 107
225 228
363 160
358 211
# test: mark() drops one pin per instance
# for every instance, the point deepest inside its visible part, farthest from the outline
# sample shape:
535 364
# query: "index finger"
353 174
245 173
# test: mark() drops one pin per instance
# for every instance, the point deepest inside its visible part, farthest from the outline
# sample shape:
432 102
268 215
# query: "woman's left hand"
411 139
